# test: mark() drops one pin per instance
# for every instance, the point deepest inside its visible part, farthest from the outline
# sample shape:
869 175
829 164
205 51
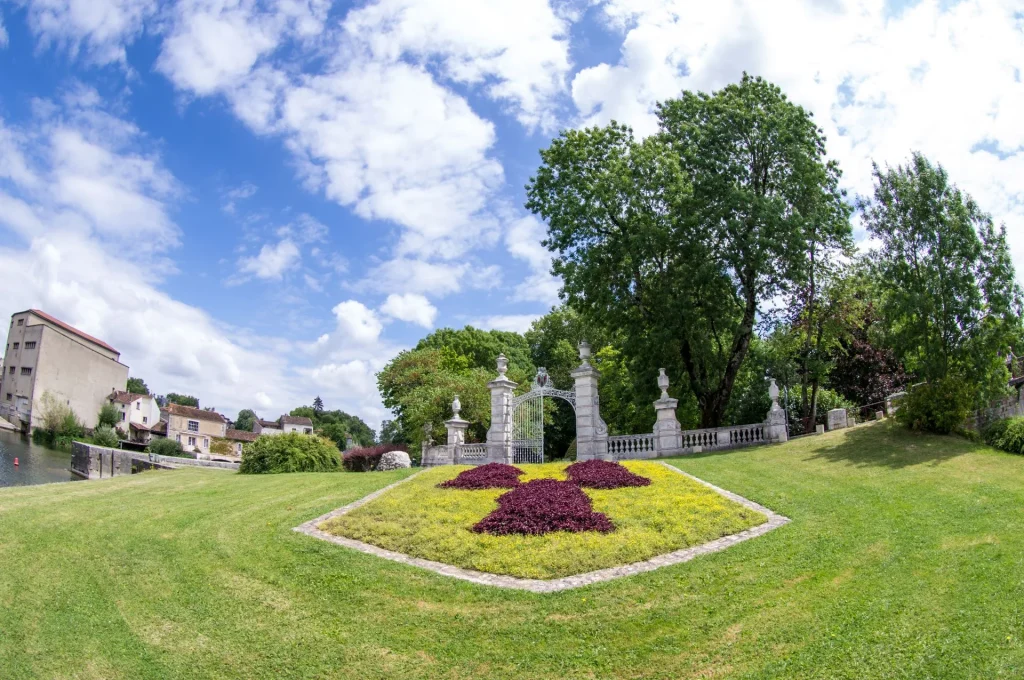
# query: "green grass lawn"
422 520
903 560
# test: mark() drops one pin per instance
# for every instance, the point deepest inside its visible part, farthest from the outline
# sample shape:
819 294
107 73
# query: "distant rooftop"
70 329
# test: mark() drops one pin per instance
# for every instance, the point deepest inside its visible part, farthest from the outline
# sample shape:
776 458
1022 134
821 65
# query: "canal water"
36 464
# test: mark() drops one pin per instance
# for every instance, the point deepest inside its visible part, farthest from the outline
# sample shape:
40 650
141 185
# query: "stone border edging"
774 521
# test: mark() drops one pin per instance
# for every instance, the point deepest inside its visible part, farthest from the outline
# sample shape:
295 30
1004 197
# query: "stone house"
194 428
238 438
44 354
139 414
284 424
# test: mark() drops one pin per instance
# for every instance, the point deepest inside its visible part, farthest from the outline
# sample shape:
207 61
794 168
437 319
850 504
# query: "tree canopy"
337 425
137 386
182 399
682 237
951 303
246 420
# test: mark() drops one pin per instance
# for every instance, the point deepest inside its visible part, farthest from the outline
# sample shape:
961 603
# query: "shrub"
603 474
543 506
1006 434
167 447
108 415
290 452
941 406
104 435
489 476
366 458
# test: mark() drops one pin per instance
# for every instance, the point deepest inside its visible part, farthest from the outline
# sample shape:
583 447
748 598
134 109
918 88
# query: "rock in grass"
394 460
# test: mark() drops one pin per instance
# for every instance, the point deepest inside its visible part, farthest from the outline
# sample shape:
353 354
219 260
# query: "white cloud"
3 33
96 29
403 275
304 229
242 192
518 51
214 44
411 307
518 323
272 262
879 83
356 323
523 241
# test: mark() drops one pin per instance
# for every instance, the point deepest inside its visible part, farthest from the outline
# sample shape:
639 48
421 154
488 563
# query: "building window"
138 405
21 322
145 420
178 437
193 426
206 443
12 370
25 370
16 345
8 396
191 441
28 345
122 416
308 430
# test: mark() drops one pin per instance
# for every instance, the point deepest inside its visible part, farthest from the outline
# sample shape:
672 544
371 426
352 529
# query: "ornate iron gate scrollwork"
528 418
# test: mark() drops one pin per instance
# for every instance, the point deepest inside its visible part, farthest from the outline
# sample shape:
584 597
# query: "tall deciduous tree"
950 299
137 386
679 239
246 420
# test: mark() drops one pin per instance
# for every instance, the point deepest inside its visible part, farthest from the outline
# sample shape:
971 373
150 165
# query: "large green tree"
418 385
137 386
950 299
678 240
182 399
246 420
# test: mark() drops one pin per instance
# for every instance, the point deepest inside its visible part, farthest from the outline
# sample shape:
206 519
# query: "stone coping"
775 520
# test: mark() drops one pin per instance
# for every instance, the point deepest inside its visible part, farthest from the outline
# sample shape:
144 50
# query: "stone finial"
502 365
456 407
773 392
585 352
663 383
428 433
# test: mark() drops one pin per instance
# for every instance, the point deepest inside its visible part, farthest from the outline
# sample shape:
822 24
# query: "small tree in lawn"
950 301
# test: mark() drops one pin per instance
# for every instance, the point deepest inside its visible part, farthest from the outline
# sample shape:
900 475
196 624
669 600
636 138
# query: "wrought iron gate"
528 419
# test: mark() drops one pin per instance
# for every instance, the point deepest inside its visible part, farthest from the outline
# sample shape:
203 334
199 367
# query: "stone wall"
99 462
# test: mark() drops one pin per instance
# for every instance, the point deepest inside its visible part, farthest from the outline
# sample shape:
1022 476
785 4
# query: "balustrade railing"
745 435
632 445
706 438
472 452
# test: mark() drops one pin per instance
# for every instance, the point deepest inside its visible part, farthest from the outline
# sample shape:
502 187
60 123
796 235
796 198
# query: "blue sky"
261 201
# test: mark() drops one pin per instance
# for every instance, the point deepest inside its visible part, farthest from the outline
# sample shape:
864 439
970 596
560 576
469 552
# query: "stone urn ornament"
502 366
663 383
456 407
428 433
585 352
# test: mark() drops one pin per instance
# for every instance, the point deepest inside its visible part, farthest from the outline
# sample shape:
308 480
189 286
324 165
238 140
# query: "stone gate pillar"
775 424
456 426
591 431
499 436
668 433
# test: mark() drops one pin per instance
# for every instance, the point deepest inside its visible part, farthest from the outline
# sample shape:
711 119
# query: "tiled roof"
270 423
296 420
195 413
71 329
159 428
125 397
242 435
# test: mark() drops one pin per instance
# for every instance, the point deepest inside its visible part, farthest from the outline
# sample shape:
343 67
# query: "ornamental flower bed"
542 506
603 474
489 476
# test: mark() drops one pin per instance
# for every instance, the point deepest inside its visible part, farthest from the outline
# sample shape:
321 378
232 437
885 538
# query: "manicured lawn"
422 520
903 560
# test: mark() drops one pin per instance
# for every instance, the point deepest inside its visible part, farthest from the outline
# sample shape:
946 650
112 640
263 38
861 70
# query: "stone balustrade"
470 454
633 446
